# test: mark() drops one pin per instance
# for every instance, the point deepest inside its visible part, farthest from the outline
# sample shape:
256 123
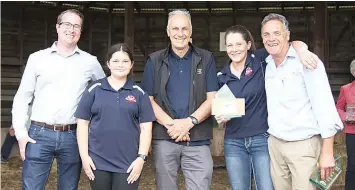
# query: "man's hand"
309 59
326 163
180 129
22 143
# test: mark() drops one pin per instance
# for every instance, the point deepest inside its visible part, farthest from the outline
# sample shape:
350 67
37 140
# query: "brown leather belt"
55 127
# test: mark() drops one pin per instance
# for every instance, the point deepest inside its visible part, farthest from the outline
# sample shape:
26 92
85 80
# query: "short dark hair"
244 32
74 11
119 47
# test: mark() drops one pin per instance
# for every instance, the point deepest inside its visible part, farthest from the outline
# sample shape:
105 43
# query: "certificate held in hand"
226 105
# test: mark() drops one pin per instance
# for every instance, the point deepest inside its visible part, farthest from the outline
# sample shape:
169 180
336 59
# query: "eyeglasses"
68 25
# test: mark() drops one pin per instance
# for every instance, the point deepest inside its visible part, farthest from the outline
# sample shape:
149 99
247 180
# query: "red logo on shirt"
131 99
248 71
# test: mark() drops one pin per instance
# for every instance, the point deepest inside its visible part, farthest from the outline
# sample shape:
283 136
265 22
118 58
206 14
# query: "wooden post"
147 34
89 21
319 34
45 29
129 25
109 38
129 28
21 34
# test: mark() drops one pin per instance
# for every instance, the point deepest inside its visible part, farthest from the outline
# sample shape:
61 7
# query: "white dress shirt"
299 101
55 83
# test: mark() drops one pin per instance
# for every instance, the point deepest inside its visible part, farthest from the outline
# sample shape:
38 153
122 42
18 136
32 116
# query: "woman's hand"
221 120
88 166
135 170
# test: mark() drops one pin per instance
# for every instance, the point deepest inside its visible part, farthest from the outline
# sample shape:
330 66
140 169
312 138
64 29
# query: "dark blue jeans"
7 146
247 155
51 144
350 170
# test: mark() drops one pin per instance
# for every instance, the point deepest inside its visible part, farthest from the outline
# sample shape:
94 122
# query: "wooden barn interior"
26 27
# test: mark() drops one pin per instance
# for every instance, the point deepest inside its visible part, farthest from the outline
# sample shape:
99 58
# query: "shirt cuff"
21 133
329 132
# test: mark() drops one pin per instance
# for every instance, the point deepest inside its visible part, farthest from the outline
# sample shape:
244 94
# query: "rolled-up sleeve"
83 110
97 71
148 78
211 76
322 101
146 113
24 95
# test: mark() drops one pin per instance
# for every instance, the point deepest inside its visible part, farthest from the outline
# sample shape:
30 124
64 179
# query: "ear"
167 31
132 64
249 45
288 35
108 64
57 27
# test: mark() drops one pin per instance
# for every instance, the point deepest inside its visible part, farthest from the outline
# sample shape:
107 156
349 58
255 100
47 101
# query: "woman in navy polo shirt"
245 141
114 126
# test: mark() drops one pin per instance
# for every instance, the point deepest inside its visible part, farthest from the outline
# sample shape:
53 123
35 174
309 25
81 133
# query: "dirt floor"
11 176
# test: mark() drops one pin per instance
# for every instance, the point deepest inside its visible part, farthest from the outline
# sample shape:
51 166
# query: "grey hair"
352 66
274 16
181 12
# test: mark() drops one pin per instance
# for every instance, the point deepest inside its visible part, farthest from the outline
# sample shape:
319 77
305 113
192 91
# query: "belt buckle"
55 127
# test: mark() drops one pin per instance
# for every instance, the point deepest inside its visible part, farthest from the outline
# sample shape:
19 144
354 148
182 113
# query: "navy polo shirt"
250 86
114 123
178 86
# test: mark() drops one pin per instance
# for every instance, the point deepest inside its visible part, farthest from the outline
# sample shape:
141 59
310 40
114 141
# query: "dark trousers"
350 170
112 181
7 146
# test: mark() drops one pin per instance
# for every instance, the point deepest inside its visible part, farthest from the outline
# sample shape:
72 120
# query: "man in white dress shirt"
55 79
302 116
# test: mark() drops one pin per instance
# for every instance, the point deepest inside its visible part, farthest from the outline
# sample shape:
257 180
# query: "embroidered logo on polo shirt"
131 99
248 71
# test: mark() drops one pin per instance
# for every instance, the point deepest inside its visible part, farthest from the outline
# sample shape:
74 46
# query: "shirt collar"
186 56
248 63
127 86
290 53
55 49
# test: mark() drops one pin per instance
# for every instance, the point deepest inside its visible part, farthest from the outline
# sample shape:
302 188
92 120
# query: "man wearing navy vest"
181 82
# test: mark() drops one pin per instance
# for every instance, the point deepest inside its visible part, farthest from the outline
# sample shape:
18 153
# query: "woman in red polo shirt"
346 110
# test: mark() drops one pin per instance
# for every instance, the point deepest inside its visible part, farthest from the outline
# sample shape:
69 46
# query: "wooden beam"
129 25
319 35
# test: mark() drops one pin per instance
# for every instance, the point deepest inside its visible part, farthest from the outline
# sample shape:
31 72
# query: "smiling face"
179 32
69 36
275 37
120 64
237 48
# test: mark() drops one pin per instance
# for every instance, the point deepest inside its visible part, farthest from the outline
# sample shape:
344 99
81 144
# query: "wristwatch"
194 120
144 157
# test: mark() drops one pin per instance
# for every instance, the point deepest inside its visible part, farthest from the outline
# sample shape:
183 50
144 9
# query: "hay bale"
340 138
341 150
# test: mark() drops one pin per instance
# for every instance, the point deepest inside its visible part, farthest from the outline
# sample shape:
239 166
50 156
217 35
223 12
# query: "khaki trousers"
292 162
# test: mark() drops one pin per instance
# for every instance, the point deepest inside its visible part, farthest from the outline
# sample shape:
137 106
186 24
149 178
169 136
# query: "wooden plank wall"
29 29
